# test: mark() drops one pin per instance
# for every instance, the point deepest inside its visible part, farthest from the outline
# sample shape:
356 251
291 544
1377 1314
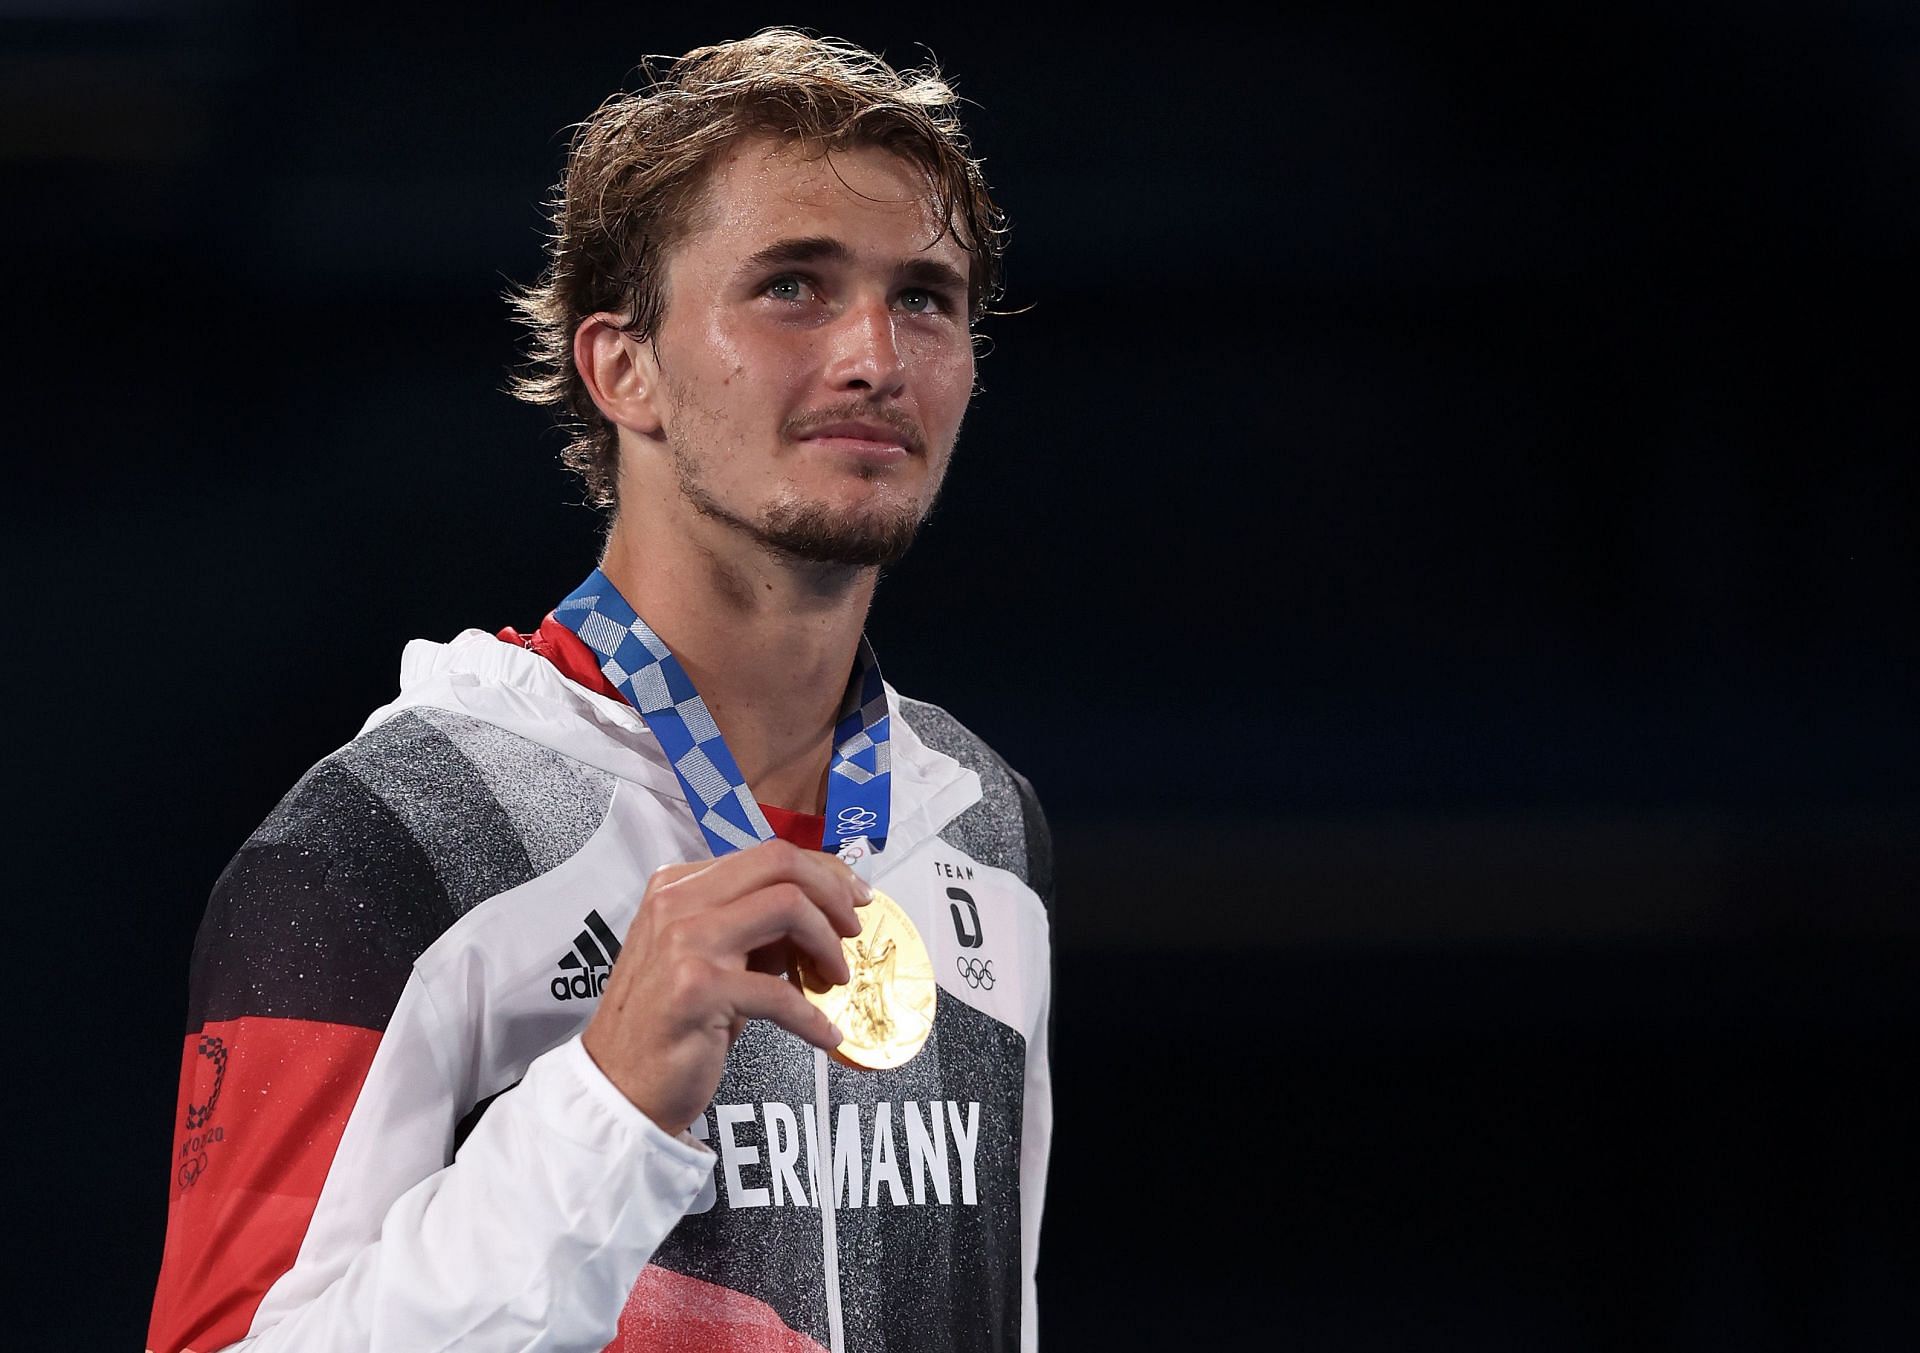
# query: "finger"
662 878
763 996
826 877
783 960
673 873
832 885
780 913
810 977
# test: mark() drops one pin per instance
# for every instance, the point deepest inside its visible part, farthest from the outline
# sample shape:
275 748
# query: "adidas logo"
586 965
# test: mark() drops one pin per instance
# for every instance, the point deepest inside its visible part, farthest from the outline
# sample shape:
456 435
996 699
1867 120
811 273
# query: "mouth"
863 439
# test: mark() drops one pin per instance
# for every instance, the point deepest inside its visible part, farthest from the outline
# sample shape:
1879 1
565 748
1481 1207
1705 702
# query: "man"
421 1104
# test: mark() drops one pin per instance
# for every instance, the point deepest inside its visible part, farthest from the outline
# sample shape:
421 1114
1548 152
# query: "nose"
865 358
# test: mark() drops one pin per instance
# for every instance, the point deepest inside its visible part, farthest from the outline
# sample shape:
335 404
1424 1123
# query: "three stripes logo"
584 967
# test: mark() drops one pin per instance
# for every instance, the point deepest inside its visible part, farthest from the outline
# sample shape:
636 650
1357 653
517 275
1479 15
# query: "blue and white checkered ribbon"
633 658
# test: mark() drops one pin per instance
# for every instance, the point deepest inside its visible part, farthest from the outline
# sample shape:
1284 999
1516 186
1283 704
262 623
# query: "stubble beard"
806 531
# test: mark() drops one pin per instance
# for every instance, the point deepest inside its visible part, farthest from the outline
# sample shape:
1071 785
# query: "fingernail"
838 1037
862 891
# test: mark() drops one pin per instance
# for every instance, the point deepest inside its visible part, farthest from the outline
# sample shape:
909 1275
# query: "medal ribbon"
639 664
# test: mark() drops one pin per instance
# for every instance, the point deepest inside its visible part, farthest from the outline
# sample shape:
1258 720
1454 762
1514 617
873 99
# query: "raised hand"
707 952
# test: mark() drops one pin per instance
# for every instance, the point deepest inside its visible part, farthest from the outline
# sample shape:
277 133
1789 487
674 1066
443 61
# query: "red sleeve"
262 1104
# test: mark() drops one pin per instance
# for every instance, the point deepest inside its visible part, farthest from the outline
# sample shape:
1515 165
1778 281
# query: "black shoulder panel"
323 922
1006 829
372 855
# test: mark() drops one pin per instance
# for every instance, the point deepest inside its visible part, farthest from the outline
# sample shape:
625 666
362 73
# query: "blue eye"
788 288
920 301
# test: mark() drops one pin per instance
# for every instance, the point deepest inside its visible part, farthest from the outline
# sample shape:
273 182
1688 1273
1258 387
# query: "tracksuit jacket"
390 1137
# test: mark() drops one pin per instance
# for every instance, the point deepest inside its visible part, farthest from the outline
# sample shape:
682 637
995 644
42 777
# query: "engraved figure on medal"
872 975
886 1006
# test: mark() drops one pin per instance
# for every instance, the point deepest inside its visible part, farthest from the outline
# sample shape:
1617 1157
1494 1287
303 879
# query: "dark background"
1441 539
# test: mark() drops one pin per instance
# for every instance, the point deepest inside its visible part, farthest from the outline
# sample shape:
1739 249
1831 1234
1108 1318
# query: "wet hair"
636 169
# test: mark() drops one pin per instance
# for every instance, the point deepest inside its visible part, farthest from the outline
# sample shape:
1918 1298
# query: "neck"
769 643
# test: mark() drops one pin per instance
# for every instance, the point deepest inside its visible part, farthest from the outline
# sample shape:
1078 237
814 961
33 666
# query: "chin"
818 533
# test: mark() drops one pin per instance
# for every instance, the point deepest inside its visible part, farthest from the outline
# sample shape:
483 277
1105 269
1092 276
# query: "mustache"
897 422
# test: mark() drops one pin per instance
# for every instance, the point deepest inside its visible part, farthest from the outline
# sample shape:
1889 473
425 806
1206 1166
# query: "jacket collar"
521 692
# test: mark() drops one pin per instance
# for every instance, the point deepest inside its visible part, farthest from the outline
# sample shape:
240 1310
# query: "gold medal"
886 1007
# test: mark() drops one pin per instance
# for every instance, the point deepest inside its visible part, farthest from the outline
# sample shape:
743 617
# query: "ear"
620 372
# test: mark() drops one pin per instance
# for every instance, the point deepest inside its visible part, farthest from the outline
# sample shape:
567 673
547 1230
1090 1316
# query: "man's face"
814 356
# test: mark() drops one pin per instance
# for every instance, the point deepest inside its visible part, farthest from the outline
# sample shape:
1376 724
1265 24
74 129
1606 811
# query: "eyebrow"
931 272
927 272
802 249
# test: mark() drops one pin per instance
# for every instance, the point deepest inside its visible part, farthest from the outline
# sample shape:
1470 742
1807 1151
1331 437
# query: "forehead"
764 189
